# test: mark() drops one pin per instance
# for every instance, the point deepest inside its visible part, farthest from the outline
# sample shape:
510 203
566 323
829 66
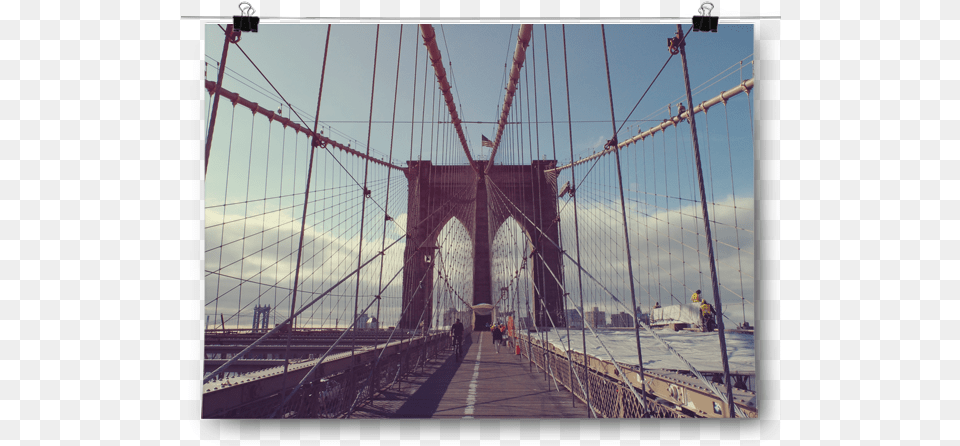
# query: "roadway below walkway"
486 384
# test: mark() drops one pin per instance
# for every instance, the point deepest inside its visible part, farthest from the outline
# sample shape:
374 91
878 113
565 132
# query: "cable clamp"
612 143
673 45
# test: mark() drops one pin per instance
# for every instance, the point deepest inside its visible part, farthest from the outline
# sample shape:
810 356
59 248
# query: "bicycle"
458 348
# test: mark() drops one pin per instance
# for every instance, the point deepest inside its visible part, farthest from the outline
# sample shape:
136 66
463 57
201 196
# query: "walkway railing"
670 394
342 382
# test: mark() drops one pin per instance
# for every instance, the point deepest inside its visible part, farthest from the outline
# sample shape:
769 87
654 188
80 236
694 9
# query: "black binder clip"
705 22
246 22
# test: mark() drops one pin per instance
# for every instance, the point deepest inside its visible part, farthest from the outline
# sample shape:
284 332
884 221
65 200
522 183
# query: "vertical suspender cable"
553 139
537 195
365 192
276 270
303 221
656 209
576 222
646 230
626 235
246 203
386 205
216 306
263 218
706 222
733 192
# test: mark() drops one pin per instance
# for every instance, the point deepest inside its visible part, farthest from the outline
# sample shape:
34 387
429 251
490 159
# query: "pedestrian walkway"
486 384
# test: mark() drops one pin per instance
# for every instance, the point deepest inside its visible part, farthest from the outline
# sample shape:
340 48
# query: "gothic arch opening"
452 274
511 273
482 204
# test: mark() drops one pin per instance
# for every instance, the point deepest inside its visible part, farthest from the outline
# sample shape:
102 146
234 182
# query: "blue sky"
291 57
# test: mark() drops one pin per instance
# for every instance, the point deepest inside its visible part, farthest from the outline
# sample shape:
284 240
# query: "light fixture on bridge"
428 255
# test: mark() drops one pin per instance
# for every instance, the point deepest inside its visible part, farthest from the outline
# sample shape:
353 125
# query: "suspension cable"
618 301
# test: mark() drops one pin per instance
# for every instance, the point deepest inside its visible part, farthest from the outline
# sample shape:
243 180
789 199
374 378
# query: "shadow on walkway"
425 400
490 385
420 392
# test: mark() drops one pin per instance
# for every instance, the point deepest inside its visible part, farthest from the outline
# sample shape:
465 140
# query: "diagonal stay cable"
332 347
706 382
645 326
268 80
320 361
300 118
304 307
563 290
208 377
651 84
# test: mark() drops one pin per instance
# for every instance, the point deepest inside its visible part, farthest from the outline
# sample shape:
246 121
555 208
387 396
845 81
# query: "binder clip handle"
705 22
246 22
705 8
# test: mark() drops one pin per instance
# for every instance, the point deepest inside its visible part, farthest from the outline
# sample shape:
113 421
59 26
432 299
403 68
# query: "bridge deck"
486 384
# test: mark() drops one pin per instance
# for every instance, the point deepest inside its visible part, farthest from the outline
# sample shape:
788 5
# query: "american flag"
486 142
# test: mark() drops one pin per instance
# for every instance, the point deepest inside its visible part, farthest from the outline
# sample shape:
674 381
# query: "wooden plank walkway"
486 384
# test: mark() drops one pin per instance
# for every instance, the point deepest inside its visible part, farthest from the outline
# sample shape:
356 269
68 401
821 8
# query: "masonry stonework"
437 194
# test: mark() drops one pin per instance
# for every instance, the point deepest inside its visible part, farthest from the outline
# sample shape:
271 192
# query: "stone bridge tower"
437 194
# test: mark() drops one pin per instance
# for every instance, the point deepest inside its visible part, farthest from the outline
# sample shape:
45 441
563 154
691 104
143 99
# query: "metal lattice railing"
334 394
609 398
609 395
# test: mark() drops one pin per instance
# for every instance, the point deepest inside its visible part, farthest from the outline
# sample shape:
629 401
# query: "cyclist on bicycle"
457 331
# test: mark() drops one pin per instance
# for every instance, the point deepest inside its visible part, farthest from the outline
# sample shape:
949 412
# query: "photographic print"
479 221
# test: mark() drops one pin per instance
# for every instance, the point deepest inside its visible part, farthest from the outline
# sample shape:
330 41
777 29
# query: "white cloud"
330 253
269 255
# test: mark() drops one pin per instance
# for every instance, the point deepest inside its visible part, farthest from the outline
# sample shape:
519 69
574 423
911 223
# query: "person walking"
497 336
457 331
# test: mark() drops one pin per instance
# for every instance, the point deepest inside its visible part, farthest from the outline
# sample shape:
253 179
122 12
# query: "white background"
101 180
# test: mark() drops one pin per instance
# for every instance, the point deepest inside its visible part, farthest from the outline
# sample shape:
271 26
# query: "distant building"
621 320
574 320
644 317
596 318
365 322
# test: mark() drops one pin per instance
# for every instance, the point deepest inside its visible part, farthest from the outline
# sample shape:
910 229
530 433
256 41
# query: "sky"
291 57
261 168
